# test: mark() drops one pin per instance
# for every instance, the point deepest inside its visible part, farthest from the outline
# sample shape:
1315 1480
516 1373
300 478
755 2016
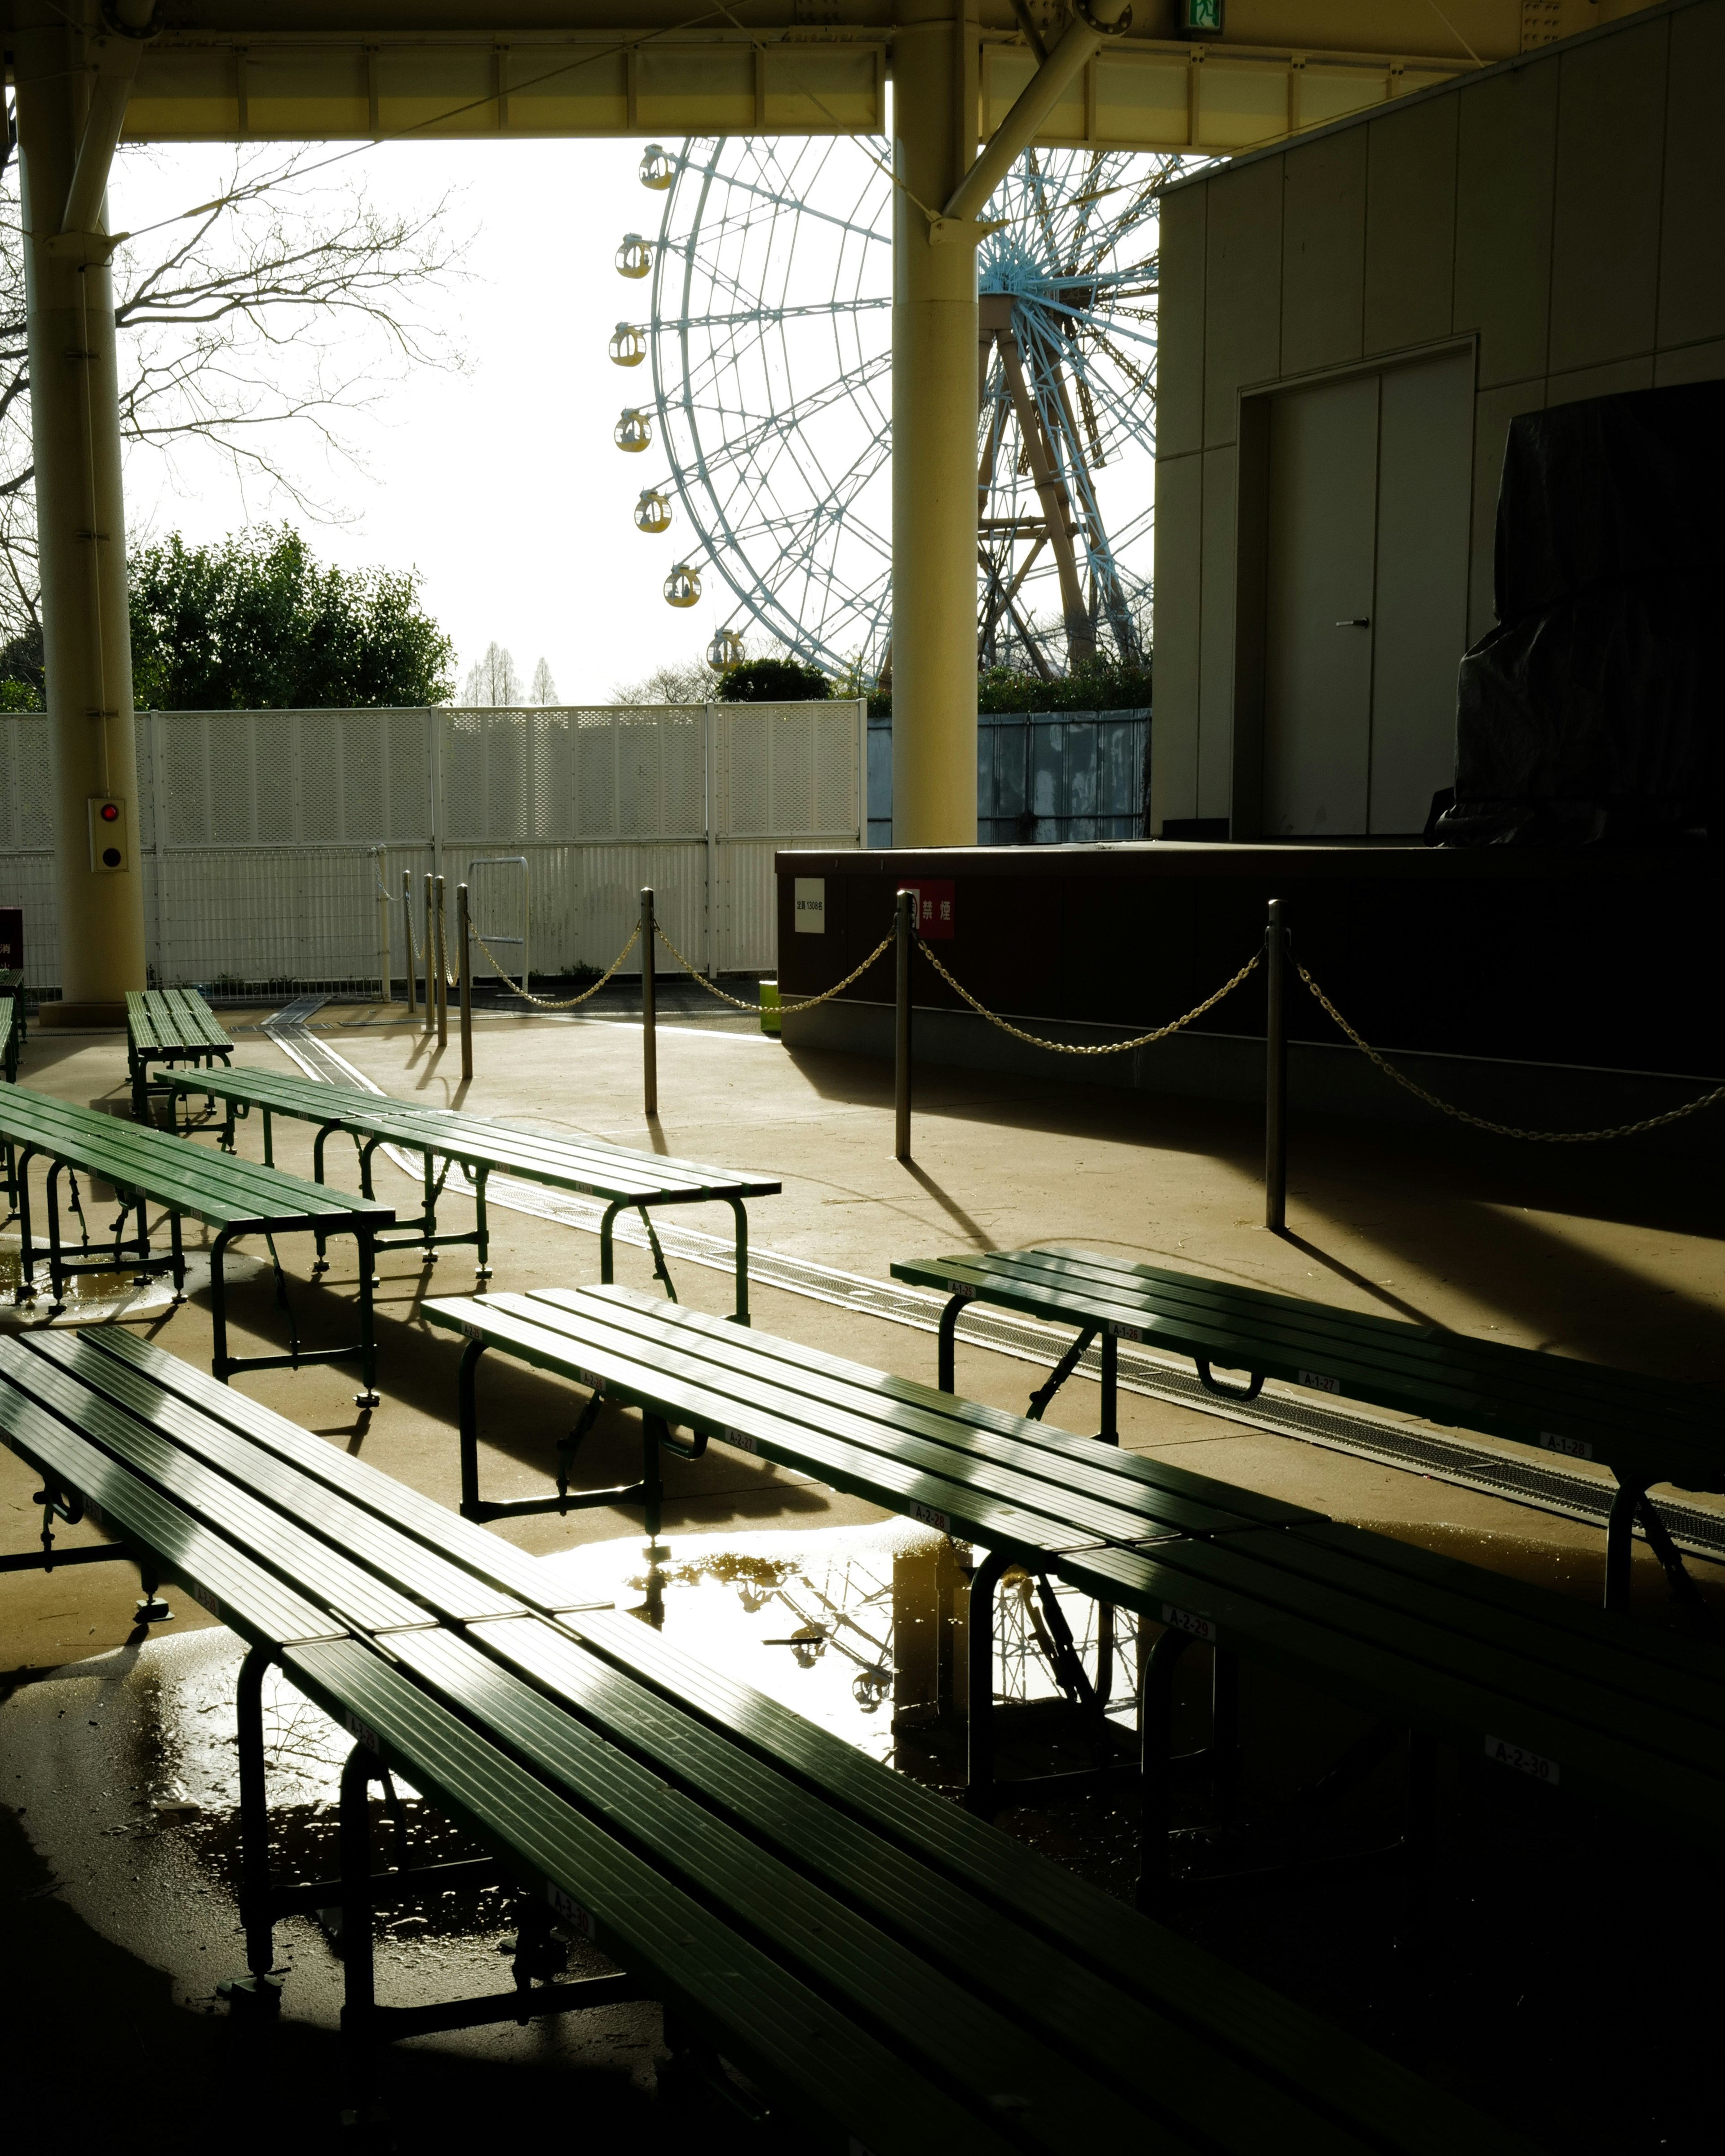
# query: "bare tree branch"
255 328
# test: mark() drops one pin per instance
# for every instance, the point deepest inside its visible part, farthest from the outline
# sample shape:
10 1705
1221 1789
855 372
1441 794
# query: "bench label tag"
963 1289
470 1332
741 1440
1121 1331
930 1518
1574 1447
368 1738
1188 1621
1318 1383
1523 1762
569 1909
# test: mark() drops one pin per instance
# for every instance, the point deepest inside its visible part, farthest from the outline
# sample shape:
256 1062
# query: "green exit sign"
1203 16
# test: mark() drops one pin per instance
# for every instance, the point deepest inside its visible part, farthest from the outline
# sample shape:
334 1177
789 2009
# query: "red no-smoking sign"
934 908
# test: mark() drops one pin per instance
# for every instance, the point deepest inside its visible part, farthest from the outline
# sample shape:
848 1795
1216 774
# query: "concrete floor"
1601 1253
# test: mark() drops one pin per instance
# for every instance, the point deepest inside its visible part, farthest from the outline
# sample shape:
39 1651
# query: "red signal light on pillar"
109 847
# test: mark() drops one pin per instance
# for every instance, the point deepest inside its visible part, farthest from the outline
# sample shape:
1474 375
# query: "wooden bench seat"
892 1973
145 1167
1646 1429
480 1145
1620 1714
168 1026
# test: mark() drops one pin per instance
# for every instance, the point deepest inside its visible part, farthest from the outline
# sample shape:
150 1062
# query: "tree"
544 689
494 681
255 623
690 682
281 309
774 681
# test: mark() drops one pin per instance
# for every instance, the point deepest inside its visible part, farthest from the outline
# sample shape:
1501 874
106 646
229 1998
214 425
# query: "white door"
1322 534
1366 600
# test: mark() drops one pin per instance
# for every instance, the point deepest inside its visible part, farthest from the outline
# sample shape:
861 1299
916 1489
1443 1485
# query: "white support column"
74 417
934 423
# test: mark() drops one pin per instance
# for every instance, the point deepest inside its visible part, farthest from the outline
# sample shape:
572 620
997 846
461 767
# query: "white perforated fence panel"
272 842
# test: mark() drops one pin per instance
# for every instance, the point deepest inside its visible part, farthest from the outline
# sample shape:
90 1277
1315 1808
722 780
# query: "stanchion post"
442 951
387 963
1275 1071
649 1012
407 930
463 967
905 924
430 958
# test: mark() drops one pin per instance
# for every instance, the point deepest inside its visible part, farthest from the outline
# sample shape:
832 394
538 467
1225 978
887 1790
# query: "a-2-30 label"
1523 1761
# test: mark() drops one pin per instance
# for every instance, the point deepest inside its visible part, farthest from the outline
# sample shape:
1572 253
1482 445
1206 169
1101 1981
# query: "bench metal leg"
944 1352
608 1254
260 1988
467 1417
56 1270
367 1322
1620 1541
1109 1433
1151 1893
221 1363
979 1778
482 1270
359 1987
741 1314
476 1507
27 1249
177 1253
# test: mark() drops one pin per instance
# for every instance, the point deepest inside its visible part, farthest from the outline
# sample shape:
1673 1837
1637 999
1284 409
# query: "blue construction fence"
1043 778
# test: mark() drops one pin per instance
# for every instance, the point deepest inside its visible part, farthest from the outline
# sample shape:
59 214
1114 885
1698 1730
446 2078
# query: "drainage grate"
1444 1457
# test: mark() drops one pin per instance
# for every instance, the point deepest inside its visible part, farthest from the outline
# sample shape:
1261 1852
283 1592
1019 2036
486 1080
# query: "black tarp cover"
1595 710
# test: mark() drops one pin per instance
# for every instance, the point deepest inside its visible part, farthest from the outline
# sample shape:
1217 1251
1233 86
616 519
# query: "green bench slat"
1196 1992
937 1441
443 1588
933 2023
1187 2076
1526 1395
488 1556
779 2030
223 1192
1663 1667
583 1165
938 1500
225 1581
1260 1609
1125 1478
169 1021
291 1552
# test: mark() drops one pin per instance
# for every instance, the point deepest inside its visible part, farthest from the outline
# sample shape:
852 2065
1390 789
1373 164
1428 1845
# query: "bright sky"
503 485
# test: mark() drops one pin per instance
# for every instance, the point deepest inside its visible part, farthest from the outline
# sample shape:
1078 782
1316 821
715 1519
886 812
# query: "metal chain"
785 1010
1482 1123
1107 1047
549 1003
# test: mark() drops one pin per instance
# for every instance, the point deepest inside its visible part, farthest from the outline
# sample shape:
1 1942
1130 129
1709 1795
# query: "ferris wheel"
769 343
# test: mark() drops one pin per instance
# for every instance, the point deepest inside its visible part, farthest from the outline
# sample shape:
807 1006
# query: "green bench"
1618 1714
1646 1429
894 1974
146 1168
626 1181
168 1026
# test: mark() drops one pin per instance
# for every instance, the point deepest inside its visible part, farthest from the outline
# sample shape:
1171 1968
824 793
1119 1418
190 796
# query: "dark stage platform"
1552 988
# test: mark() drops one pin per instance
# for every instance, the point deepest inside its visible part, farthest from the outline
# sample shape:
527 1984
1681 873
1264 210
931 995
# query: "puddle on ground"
106 1293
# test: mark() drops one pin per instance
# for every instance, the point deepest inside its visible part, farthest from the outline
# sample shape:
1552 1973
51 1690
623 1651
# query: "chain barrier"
1106 1048
1484 1123
550 1003
785 1010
